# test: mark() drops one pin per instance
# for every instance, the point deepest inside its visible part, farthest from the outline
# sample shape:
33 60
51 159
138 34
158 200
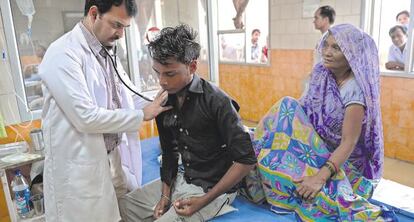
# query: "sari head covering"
324 107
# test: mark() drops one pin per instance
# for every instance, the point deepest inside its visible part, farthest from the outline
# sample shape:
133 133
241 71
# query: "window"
393 35
35 25
153 16
243 31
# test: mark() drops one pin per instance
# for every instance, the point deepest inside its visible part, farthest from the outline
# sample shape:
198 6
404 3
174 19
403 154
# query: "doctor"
86 113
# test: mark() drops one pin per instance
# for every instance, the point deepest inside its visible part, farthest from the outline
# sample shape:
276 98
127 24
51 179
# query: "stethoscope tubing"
122 80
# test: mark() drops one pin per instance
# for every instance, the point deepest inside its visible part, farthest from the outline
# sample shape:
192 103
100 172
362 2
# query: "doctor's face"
174 76
110 26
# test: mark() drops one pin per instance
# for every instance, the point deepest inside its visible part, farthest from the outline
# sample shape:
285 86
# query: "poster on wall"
309 8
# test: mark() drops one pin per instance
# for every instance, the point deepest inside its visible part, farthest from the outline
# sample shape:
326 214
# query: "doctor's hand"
161 208
156 107
188 206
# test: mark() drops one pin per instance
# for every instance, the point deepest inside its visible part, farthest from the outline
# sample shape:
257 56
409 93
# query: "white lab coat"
77 181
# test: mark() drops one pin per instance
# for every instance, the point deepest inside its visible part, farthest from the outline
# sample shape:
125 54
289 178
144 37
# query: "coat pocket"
85 180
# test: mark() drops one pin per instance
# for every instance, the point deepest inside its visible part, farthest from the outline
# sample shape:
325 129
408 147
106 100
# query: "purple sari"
322 103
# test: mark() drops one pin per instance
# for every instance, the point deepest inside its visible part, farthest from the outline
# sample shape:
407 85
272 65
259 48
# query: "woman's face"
333 58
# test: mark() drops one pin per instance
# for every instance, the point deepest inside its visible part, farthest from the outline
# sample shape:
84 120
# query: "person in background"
86 113
397 51
323 19
255 48
203 128
403 18
322 156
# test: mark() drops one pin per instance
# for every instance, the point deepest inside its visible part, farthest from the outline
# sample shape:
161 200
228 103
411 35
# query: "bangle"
165 197
333 164
330 168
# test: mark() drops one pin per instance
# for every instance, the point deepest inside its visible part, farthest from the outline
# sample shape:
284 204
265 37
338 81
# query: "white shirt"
395 54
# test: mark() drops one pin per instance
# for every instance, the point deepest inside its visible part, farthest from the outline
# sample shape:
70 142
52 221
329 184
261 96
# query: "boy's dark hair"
402 28
255 30
178 43
105 5
327 11
401 13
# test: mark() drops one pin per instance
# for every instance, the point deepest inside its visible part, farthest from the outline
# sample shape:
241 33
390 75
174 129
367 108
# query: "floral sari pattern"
288 147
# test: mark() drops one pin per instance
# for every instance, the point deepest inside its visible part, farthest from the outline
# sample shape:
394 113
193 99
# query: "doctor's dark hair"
105 5
178 43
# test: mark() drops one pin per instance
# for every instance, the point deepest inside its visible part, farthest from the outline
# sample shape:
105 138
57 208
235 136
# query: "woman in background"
322 157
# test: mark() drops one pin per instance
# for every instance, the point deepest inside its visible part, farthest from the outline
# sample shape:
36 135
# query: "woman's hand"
309 186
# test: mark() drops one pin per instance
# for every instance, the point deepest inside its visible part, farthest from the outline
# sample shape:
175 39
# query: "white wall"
289 30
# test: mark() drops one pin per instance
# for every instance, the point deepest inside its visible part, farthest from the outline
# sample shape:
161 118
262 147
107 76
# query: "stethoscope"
114 65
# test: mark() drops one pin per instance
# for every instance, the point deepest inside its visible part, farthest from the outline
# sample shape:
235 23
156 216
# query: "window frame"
212 43
246 36
370 23
25 114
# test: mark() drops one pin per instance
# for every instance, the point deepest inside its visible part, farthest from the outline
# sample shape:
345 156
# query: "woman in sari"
322 156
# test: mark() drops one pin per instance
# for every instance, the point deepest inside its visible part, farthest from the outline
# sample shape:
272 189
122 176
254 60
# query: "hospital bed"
247 211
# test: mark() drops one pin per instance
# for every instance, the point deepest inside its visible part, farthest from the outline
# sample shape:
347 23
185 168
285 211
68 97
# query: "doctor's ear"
93 11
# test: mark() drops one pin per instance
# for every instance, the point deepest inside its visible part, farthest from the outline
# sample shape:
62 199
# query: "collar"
196 85
93 43
397 49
